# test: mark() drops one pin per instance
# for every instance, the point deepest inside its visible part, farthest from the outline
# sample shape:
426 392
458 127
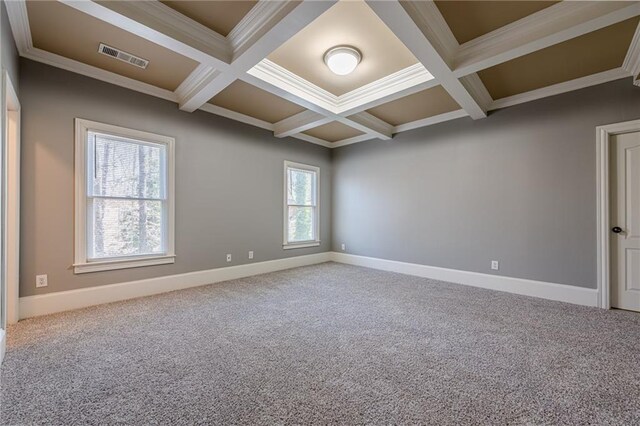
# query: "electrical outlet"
228 258
251 255
41 281
343 247
495 265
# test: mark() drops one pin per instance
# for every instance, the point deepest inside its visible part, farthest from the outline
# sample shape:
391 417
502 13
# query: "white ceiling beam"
163 26
267 26
350 141
553 25
419 27
299 123
369 124
556 89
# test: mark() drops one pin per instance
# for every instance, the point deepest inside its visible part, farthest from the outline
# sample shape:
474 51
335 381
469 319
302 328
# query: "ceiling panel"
62 30
471 19
220 16
346 23
333 132
249 100
430 102
591 53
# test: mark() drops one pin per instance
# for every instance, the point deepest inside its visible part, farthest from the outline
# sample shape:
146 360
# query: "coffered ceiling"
261 62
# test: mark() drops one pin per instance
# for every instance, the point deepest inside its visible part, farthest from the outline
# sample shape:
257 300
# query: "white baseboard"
44 304
3 344
541 289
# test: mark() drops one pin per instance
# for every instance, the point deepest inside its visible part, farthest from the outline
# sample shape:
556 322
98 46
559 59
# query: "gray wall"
518 187
229 180
9 53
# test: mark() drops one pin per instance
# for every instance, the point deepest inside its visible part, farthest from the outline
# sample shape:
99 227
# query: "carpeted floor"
326 344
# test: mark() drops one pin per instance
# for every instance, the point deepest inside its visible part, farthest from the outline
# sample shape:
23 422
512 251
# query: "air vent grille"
122 56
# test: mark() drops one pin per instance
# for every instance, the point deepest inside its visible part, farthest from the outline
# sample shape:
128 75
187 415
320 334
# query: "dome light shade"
342 60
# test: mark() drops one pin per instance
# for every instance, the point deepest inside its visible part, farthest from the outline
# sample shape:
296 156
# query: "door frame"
603 146
10 202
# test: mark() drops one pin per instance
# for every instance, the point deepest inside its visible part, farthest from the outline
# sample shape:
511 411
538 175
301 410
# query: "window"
301 217
124 198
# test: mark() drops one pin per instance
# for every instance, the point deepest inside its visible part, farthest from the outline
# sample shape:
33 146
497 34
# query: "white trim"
188 38
3 345
312 139
632 59
603 135
50 303
350 141
370 124
419 27
541 289
556 89
298 123
81 263
58 61
407 81
113 264
447 116
285 208
214 109
552 25
19 20
11 190
300 245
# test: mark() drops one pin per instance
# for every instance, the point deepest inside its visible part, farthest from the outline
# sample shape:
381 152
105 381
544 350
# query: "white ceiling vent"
123 56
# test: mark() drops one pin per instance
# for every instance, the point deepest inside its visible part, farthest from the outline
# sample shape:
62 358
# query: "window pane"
300 187
126 228
301 226
126 168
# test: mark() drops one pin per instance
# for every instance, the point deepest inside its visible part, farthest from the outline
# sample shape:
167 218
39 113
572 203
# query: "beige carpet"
327 344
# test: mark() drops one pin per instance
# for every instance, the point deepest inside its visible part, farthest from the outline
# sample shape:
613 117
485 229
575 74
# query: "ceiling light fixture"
342 60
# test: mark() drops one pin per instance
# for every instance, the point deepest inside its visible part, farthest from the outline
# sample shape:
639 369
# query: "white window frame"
81 262
316 231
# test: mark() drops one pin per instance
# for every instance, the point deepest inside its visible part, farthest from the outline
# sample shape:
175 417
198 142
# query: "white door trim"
11 195
603 137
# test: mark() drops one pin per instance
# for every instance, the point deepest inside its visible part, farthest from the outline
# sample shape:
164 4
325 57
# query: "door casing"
603 145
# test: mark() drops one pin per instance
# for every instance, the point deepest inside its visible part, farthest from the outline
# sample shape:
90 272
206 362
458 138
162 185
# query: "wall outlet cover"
495 265
41 281
228 258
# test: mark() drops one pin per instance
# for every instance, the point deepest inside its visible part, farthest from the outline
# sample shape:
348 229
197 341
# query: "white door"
625 221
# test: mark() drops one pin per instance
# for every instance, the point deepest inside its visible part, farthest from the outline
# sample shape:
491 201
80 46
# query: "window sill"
300 245
110 265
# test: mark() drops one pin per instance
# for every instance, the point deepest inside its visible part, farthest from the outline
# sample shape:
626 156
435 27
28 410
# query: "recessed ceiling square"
428 103
62 30
589 54
350 23
249 100
220 16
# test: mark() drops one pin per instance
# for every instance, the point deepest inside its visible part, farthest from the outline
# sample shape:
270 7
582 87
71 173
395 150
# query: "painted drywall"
229 180
518 187
10 59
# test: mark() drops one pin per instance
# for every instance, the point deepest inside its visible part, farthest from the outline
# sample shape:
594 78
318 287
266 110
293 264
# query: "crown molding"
313 140
382 90
553 25
98 73
297 86
200 76
161 25
254 23
632 59
351 141
19 21
447 116
413 30
556 89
